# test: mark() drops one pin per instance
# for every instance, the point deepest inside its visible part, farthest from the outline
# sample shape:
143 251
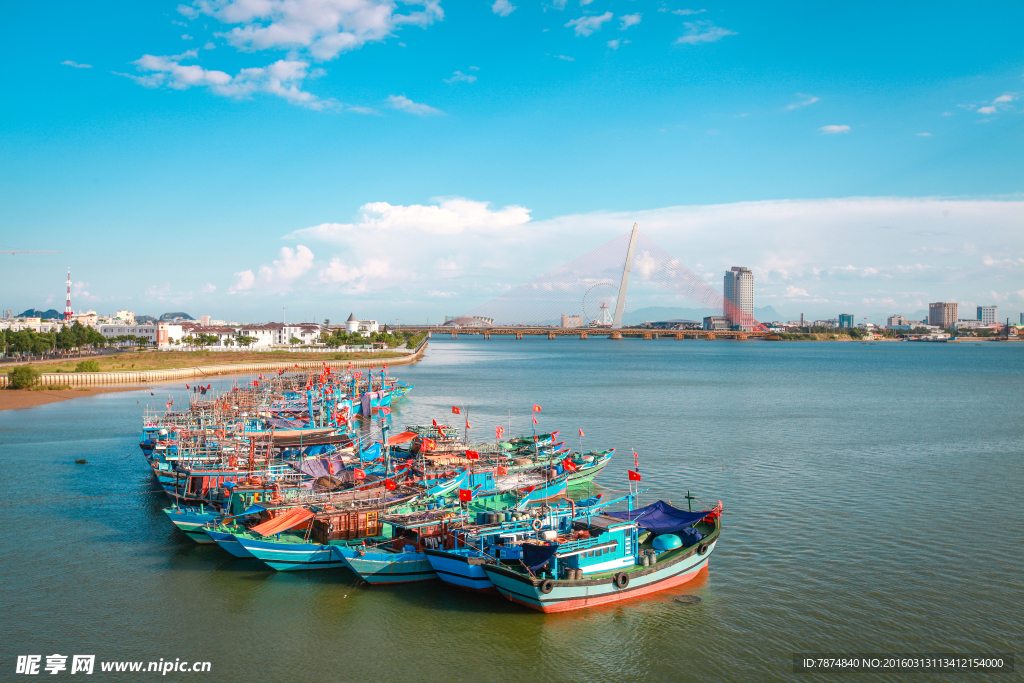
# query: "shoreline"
148 376
18 399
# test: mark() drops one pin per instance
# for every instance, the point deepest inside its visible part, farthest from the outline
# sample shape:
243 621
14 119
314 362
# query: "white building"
896 321
120 329
988 314
124 316
739 291
363 327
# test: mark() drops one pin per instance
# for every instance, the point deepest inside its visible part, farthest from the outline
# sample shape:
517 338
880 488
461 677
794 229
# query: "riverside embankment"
79 379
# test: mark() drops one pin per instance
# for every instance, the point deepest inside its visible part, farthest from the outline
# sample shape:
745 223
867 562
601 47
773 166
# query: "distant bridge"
584 332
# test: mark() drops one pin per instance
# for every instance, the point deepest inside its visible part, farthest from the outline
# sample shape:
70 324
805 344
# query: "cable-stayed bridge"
577 298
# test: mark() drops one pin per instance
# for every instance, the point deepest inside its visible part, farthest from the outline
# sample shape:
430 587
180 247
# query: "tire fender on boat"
702 548
621 579
546 586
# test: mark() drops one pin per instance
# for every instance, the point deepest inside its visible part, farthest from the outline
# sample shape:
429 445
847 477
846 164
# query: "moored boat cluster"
302 471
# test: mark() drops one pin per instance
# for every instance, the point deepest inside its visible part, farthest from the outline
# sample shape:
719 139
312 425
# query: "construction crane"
31 252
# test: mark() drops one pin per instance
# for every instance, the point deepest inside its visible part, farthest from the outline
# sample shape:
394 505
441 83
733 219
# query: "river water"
871 496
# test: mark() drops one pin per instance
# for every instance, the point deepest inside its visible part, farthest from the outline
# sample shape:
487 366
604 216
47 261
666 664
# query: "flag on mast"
456 411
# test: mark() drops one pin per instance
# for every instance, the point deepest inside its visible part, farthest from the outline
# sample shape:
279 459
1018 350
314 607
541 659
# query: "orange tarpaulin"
288 520
404 437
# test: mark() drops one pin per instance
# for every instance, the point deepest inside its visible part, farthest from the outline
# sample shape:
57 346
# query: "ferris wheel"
596 309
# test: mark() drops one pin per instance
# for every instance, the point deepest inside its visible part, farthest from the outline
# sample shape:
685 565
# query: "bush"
22 377
87 366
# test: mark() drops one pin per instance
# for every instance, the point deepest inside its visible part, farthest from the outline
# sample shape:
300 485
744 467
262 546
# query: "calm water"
872 499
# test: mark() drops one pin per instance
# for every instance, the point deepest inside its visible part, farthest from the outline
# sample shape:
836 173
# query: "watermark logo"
84 664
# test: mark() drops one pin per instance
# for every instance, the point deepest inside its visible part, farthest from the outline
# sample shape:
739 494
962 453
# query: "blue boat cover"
536 556
661 518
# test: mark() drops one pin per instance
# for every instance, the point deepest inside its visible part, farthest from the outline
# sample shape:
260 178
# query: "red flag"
428 445
633 476
465 495
636 461
209 386
536 408
581 432
456 411
467 424
472 455
390 485
502 470
498 431
358 474
568 465
435 422
186 386
535 421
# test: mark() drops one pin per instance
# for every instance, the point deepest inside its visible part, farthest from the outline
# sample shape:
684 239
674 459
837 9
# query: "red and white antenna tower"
67 307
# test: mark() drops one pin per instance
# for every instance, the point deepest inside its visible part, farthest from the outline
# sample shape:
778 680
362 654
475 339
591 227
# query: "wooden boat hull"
462 570
377 568
568 595
286 556
228 542
192 522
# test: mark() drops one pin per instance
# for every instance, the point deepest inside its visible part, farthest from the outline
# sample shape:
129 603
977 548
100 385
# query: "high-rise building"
572 321
896 320
988 314
846 320
942 314
739 297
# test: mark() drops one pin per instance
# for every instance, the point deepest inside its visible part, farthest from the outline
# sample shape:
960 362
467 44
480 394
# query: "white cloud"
1005 97
458 76
947 113
584 26
283 78
832 130
503 8
209 45
924 135
209 288
403 103
474 68
987 110
450 216
614 44
185 36
279 276
355 279
806 100
702 32
164 294
792 291
323 28
584 3
76 65
686 12
565 57
629 20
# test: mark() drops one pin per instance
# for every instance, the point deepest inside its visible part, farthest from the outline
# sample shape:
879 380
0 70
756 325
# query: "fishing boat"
607 558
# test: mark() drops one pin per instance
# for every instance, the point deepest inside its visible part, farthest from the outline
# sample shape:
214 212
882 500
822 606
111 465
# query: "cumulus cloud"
792 291
279 276
614 44
459 77
805 100
503 8
702 32
586 25
403 103
284 79
209 288
629 20
76 65
323 28
832 130
355 279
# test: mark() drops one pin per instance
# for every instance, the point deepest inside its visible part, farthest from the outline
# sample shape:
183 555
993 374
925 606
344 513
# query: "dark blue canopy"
661 518
536 556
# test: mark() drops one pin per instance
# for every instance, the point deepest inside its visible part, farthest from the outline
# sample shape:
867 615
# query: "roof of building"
351 318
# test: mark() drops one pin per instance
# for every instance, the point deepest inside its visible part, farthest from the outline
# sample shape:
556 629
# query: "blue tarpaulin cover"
536 556
661 518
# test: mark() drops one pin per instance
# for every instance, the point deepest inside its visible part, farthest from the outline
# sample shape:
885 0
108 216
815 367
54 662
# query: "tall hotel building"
739 289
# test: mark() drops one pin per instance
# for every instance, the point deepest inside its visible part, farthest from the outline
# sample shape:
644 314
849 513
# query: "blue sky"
414 160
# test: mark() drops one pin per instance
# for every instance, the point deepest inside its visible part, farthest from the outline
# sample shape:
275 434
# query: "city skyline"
183 157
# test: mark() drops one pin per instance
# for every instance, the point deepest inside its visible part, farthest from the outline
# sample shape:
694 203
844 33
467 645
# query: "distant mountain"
656 313
145 319
45 315
175 314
